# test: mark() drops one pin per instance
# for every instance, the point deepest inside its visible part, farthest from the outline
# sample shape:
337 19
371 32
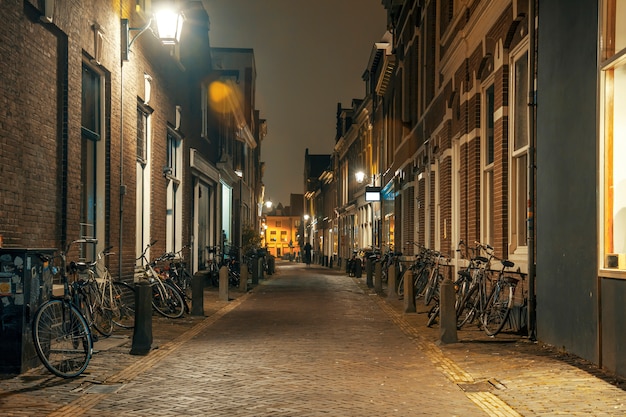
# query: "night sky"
310 55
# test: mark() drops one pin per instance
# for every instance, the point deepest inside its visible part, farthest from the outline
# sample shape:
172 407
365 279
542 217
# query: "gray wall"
567 241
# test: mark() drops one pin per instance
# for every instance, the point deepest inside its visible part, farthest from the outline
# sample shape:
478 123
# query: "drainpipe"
532 107
122 186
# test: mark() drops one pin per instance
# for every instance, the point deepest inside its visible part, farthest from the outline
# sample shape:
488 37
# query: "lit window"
613 133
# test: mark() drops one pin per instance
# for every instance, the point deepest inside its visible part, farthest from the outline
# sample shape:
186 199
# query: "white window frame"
517 208
144 186
487 168
174 198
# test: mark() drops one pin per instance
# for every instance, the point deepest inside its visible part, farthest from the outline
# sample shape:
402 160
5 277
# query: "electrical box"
25 284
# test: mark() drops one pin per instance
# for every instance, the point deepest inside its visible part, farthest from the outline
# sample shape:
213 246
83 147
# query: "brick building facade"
124 147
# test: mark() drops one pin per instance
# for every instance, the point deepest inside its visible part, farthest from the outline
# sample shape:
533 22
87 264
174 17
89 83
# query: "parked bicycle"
213 264
167 299
179 275
420 267
116 297
61 334
488 299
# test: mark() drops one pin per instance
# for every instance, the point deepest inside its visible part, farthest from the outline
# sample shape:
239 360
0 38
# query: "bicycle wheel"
420 282
123 305
233 278
62 338
432 289
466 309
401 284
101 313
185 283
83 303
498 308
433 314
167 301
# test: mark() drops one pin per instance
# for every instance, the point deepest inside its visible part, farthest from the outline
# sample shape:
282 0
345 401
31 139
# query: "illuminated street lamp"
360 176
306 218
169 24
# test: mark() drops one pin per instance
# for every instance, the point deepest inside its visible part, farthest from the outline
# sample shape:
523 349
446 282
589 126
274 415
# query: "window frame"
487 163
174 209
611 60
517 209
93 160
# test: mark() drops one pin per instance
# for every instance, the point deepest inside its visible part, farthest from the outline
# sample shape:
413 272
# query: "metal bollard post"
223 292
255 271
409 293
261 269
391 281
378 277
447 313
142 332
243 278
369 271
358 268
197 295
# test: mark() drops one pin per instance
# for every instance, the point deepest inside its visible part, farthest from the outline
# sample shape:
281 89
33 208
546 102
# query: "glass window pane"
620 25
521 164
521 103
490 122
90 116
618 167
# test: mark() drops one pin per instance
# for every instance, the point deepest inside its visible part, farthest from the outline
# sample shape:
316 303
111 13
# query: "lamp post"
372 194
167 18
240 209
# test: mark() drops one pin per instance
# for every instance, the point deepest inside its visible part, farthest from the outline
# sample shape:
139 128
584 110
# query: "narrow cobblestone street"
313 342
304 344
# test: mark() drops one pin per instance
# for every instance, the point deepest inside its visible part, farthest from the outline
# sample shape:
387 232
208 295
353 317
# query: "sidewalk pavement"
508 375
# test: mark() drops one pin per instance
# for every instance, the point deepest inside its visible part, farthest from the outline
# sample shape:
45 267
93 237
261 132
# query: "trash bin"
24 285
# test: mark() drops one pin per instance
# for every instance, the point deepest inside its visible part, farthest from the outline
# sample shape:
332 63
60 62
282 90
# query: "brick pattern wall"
40 134
451 110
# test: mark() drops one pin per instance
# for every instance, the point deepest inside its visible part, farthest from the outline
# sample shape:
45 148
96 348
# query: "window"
613 134
174 208
142 135
143 179
278 223
488 163
92 159
519 140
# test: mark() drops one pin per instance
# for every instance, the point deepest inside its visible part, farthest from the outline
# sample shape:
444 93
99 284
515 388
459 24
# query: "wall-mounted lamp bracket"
127 41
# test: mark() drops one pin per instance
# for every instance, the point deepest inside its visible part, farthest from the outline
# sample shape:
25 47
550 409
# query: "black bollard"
142 332
378 277
358 268
392 282
243 278
369 271
255 271
197 295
